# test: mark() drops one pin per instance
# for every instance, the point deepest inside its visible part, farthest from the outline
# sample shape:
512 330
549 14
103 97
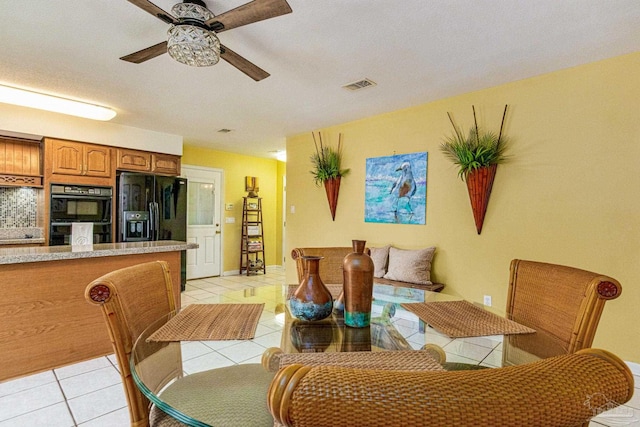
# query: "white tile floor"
89 394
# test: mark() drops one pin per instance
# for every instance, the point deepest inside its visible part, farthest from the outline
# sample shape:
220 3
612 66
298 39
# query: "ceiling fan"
192 39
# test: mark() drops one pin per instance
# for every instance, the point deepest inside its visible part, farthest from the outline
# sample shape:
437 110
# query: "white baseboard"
237 272
231 273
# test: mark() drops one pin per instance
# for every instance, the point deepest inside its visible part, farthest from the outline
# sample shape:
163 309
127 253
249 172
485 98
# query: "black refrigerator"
153 207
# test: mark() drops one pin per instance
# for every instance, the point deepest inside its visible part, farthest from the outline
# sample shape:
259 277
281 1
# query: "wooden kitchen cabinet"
133 160
97 161
144 161
78 158
20 162
165 164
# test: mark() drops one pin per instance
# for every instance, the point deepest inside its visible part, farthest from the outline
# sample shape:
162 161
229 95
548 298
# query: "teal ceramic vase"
311 300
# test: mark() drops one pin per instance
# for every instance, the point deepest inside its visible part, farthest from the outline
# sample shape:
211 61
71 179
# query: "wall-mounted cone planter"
479 184
332 187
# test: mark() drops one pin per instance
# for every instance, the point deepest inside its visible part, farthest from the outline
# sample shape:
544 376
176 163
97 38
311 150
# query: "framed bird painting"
396 189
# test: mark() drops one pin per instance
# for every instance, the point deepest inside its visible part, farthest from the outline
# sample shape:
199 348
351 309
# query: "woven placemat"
335 290
459 319
202 322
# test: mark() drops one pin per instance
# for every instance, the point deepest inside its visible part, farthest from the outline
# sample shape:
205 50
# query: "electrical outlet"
487 300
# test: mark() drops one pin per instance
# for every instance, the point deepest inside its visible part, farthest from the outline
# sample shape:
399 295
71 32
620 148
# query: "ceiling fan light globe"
191 11
193 46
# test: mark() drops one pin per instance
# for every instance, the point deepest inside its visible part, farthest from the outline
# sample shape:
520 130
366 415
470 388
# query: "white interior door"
204 221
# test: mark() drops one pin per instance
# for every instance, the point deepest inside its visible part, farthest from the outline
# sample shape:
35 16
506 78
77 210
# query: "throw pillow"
379 257
412 266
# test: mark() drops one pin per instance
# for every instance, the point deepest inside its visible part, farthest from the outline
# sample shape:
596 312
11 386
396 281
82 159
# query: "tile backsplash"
18 207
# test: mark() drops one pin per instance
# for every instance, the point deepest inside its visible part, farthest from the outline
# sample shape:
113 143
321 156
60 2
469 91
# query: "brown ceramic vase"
311 300
358 286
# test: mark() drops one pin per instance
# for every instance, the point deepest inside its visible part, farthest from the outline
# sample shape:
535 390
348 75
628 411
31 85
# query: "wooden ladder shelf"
252 260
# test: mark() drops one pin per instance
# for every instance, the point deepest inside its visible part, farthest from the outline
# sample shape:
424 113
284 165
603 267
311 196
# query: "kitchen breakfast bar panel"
46 321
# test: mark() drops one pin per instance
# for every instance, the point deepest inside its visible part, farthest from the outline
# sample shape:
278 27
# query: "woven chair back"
330 266
131 299
561 391
563 304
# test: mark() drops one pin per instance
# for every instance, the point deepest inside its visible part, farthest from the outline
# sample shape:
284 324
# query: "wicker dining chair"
565 390
133 298
563 304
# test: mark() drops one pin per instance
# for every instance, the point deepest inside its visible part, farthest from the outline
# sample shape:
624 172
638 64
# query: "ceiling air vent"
360 84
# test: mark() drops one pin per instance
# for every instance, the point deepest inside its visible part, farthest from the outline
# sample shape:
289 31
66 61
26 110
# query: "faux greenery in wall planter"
477 155
327 169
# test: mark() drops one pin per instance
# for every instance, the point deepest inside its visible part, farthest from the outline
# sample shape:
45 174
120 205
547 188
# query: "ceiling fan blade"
254 11
146 54
151 8
250 69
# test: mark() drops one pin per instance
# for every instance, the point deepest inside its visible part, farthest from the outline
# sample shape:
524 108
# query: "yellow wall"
236 167
570 194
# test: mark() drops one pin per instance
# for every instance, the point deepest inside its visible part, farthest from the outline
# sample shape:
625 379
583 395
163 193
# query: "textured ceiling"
415 50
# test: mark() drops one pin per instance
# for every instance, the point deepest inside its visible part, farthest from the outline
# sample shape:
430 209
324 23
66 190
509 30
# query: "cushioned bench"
331 266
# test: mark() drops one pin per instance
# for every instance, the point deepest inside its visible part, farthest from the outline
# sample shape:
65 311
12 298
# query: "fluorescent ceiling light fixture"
27 98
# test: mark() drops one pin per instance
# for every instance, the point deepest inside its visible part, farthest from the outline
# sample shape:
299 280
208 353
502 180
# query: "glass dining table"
159 366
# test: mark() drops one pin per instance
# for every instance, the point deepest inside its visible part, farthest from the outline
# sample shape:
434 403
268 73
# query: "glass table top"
157 366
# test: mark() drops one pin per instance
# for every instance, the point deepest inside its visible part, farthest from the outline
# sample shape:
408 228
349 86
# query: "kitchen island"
46 321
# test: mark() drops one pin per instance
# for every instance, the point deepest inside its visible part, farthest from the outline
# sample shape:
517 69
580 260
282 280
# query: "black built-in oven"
75 203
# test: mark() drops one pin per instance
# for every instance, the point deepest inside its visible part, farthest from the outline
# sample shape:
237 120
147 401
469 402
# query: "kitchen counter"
46 321
53 253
